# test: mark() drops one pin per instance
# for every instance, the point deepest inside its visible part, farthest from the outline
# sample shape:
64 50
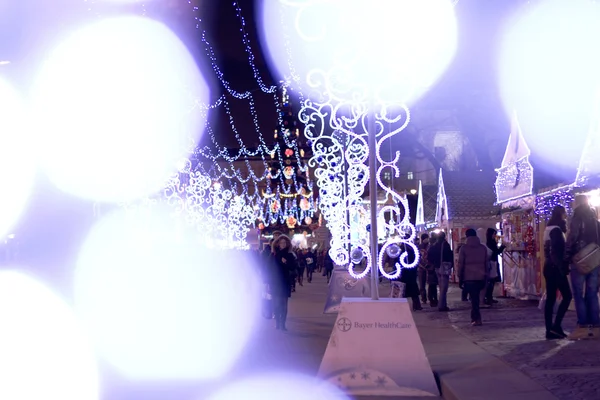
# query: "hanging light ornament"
291 222
304 204
288 172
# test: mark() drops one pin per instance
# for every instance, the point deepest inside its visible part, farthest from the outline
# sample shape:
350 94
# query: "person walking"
472 268
583 231
283 269
301 266
491 242
311 262
320 260
408 276
464 296
265 262
432 279
327 266
422 270
556 270
441 257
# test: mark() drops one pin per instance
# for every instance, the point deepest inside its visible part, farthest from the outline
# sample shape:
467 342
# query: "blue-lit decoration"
545 202
514 180
231 168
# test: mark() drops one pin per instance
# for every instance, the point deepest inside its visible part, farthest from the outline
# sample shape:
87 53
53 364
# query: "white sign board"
375 350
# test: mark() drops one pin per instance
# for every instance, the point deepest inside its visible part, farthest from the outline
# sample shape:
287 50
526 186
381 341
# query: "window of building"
387 176
410 175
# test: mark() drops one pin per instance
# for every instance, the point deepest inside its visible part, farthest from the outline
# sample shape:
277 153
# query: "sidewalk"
513 333
507 357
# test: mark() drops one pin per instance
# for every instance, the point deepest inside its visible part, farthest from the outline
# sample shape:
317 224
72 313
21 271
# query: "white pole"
372 131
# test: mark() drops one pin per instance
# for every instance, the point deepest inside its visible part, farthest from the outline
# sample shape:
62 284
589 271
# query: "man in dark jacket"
584 230
422 270
440 255
473 261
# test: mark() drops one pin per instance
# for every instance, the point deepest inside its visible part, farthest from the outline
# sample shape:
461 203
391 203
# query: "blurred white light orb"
279 386
115 109
549 72
155 302
43 351
17 165
396 48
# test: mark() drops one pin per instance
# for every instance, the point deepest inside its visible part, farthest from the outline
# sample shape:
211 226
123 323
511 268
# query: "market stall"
521 271
527 199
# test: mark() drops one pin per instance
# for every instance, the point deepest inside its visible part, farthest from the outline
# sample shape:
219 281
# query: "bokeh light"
277 386
115 106
154 302
397 47
43 352
549 72
17 166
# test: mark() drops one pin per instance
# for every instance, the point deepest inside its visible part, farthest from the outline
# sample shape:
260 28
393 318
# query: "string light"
244 184
514 180
545 202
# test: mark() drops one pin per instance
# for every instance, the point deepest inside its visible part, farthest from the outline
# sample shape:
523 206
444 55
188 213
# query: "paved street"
508 352
513 331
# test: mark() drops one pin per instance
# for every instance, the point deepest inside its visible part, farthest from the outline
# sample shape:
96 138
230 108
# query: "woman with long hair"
492 244
283 270
556 271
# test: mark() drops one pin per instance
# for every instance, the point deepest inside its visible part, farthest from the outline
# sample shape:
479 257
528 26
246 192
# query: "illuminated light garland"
545 202
511 177
345 106
515 177
231 173
270 196
420 218
350 121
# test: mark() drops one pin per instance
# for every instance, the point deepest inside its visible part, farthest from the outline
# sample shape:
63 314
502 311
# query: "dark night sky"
472 74
32 24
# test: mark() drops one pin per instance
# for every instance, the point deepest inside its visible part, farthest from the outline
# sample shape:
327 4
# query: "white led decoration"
356 102
515 177
441 212
219 162
420 218
324 124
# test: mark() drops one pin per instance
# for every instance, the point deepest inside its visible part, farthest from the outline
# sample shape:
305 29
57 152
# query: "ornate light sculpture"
357 103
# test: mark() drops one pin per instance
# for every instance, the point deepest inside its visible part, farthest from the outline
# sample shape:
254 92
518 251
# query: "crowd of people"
477 271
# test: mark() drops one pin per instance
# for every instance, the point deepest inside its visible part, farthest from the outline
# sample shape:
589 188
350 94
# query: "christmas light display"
514 180
545 202
420 218
233 167
441 212
515 176
333 159
356 104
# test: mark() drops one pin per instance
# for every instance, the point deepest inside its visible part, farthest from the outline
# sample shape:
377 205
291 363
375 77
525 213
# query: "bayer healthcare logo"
344 324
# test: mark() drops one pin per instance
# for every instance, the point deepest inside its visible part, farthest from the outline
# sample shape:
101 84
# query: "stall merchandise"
522 275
